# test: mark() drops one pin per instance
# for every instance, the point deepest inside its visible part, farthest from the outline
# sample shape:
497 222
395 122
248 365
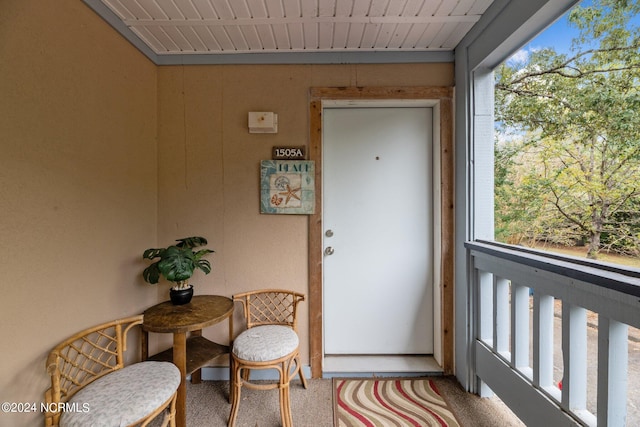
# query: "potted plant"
176 264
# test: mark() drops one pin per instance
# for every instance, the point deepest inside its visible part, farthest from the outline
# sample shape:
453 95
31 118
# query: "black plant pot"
181 296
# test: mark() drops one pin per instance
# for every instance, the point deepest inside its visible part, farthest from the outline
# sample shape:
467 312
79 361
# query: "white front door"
378 230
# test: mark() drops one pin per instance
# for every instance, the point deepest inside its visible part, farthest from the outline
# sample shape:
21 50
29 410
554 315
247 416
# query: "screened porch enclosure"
549 335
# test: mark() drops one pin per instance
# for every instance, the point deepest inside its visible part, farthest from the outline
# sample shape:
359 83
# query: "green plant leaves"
191 242
151 274
177 262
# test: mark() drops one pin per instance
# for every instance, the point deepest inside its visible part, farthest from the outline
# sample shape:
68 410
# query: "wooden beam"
315 244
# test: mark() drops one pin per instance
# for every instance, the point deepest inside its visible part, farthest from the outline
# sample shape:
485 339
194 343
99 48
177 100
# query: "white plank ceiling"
206 27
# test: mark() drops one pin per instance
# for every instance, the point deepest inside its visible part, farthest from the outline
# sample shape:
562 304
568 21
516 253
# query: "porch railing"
517 295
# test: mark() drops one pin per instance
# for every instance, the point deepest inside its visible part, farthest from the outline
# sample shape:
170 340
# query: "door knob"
328 250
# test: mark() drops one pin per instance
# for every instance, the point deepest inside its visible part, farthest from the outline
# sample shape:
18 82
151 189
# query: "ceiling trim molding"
376 57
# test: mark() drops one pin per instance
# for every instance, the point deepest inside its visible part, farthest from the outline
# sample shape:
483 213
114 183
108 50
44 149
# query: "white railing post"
520 328
501 316
485 304
613 359
485 326
543 316
574 351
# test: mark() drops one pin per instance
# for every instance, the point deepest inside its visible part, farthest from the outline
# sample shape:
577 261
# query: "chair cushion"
123 396
265 343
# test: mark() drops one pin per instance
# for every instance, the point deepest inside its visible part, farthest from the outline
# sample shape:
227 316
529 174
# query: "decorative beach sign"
287 187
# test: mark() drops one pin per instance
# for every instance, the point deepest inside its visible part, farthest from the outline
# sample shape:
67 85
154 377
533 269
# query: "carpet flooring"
207 405
368 402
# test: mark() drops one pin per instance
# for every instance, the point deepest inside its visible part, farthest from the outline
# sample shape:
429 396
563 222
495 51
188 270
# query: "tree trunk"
594 245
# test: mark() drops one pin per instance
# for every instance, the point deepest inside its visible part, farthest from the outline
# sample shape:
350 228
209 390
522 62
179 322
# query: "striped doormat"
389 402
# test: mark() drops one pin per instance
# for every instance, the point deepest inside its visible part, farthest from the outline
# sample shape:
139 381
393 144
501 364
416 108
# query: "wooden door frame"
443 96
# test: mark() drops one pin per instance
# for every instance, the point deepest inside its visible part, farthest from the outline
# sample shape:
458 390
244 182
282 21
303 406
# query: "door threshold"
379 365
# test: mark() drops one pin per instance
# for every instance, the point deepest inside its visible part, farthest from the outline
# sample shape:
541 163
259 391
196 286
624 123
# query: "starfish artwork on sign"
287 187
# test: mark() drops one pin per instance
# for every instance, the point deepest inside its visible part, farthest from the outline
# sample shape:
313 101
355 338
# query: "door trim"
443 121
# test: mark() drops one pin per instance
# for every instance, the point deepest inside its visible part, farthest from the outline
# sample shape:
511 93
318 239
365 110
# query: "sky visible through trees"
559 35
567 152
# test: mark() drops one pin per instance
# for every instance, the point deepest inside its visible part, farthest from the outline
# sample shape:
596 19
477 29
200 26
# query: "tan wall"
80 170
209 164
78 184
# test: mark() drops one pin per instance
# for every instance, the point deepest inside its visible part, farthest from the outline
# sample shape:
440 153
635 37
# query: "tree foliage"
568 136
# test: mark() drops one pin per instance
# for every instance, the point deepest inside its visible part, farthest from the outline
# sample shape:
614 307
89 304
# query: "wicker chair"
91 386
269 342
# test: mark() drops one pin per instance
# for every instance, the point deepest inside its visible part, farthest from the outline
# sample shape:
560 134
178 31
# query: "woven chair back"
87 356
270 307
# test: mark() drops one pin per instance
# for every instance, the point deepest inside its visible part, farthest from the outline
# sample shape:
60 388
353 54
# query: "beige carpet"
207 406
